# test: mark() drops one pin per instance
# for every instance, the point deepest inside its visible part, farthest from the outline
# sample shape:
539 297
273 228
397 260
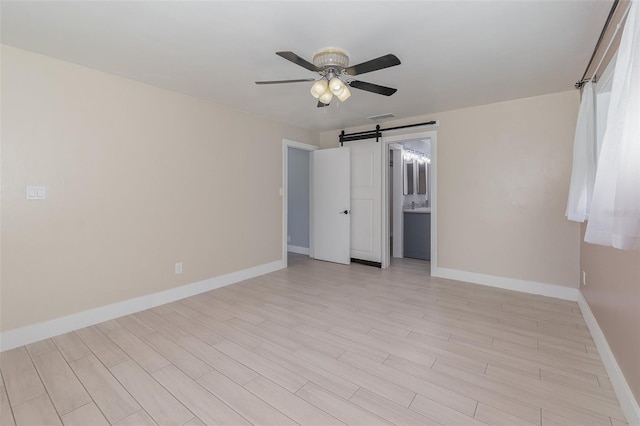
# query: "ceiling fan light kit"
324 91
332 63
335 73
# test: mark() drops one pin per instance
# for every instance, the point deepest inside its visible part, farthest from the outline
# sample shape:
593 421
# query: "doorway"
296 189
410 195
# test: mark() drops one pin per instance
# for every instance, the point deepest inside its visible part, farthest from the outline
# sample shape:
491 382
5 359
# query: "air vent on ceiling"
381 116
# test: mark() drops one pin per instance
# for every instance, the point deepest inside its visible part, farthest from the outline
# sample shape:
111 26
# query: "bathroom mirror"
416 177
422 178
409 178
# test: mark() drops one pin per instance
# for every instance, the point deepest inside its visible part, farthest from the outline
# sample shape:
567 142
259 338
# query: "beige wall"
613 294
503 180
613 276
137 178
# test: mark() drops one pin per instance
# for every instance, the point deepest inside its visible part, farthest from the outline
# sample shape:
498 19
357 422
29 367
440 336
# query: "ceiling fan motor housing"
331 59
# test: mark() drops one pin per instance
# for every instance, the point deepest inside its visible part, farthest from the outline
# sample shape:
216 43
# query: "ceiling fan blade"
382 62
370 87
322 105
290 56
285 81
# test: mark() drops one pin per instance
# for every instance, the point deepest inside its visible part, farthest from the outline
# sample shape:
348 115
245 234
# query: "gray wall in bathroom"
298 197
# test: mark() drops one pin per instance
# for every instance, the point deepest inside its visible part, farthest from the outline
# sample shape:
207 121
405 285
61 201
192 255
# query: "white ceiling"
454 53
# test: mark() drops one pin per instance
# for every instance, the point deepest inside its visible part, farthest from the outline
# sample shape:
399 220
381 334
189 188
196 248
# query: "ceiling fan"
335 74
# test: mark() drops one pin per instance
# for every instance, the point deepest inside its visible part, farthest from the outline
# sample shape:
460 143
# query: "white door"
366 200
331 193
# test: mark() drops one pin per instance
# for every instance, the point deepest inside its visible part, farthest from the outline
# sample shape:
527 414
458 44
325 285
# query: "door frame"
398 247
433 195
284 192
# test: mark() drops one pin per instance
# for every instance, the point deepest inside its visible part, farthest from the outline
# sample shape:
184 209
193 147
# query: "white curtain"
583 173
615 207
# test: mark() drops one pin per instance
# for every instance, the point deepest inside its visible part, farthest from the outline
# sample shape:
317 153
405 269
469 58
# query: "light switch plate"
36 193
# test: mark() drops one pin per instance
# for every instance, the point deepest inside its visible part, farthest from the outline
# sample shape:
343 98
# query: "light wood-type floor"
322 344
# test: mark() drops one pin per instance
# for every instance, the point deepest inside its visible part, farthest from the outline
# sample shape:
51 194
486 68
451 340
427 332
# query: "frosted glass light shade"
336 86
345 93
319 88
331 57
326 97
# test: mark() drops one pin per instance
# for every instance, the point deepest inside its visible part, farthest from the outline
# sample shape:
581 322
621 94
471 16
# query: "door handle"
344 212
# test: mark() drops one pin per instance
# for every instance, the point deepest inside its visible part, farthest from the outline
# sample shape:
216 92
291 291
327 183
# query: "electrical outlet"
36 193
179 268
288 238
584 278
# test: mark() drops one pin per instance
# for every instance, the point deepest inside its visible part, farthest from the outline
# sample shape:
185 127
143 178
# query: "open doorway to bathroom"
410 201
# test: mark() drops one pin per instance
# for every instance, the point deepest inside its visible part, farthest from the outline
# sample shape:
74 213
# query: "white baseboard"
44 330
297 249
532 287
627 401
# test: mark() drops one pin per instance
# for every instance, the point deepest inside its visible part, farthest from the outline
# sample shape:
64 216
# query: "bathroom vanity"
417 233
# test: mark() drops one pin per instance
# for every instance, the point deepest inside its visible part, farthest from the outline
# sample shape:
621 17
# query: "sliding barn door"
366 200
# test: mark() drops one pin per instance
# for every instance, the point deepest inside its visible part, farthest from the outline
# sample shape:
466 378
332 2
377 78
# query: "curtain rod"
377 133
583 80
624 15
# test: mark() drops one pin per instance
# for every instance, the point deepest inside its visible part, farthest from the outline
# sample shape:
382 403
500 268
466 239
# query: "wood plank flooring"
322 344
